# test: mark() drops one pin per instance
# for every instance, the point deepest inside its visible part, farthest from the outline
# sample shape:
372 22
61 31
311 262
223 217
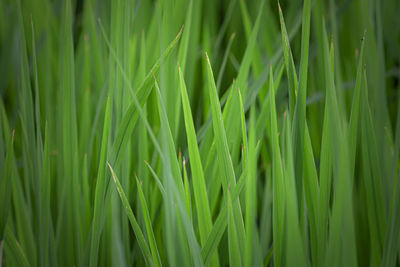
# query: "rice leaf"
135 226
278 217
149 228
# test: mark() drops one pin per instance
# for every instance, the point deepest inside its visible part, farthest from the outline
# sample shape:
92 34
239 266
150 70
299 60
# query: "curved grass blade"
158 181
224 158
256 60
170 157
135 226
130 117
224 61
182 59
147 220
199 185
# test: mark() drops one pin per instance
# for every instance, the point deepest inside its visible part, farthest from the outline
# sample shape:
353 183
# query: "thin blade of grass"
251 258
355 108
44 208
278 203
187 190
199 185
135 226
149 228
340 251
391 244
234 253
220 224
295 247
289 64
100 189
5 185
224 157
130 117
372 181
299 117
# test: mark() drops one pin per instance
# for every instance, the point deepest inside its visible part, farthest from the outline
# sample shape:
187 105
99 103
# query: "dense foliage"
199 133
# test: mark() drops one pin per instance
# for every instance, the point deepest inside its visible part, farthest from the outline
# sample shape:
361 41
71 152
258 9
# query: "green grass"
199 133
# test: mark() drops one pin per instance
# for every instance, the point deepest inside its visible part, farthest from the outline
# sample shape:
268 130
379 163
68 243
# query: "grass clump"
199 133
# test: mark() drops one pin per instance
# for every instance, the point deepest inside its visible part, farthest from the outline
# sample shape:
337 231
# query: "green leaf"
224 158
130 117
355 109
100 189
289 64
372 181
187 190
13 250
44 207
295 245
299 117
199 185
250 257
135 226
220 224
278 202
5 185
149 228
234 253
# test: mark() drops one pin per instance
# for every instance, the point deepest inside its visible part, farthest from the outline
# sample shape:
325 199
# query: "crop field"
199 133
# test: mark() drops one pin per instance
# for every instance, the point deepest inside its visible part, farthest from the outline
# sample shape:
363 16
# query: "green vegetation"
199 133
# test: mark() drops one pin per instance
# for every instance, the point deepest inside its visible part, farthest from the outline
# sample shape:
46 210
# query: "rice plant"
199 133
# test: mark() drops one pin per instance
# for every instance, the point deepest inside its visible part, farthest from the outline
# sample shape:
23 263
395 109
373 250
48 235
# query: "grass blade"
135 226
224 158
234 253
199 185
289 65
149 228
299 117
278 183
100 189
